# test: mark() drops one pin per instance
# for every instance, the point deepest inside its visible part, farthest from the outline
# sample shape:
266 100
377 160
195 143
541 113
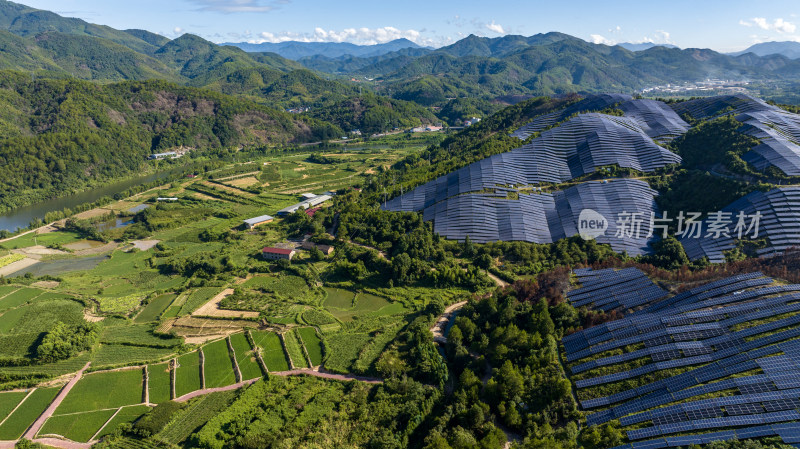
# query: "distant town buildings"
270 253
709 86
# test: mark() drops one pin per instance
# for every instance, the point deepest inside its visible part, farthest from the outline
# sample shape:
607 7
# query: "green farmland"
272 350
218 367
310 339
79 427
187 377
159 382
102 390
30 409
245 358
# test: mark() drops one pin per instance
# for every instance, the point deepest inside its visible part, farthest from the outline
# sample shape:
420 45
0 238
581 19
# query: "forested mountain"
557 63
790 49
60 135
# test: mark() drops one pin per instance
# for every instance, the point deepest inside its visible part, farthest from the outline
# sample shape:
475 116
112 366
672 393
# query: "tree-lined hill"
61 135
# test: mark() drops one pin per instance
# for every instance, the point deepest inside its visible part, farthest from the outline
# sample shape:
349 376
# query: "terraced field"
272 350
218 366
245 358
312 343
187 377
159 382
294 350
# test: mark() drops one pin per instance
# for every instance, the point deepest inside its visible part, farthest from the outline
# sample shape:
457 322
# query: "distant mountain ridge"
296 50
790 49
643 46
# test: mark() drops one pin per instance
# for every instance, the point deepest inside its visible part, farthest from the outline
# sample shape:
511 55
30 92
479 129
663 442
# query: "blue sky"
721 25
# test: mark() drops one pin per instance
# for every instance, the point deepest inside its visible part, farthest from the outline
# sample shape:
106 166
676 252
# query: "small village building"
251 223
168 154
270 253
171 198
306 204
326 249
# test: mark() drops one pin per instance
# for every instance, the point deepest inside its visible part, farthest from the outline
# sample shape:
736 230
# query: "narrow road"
500 283
318 372
37 425
441 324
205 391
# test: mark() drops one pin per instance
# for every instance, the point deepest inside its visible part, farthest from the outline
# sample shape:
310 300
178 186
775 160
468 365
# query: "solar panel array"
576 147
777 129
657 119
612 289
547 217
591 103
736 342
779 211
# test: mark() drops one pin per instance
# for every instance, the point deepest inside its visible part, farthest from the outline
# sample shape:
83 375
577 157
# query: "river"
21 217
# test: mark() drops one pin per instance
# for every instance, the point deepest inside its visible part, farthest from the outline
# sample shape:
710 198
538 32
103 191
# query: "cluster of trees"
503 357
372 114
64 341
319 413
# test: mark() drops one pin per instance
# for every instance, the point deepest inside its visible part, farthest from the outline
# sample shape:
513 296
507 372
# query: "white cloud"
234 6
598 39
659 37
496 27
362 36
779 25
177 31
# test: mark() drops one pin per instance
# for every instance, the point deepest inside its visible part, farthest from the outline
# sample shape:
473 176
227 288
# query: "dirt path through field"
37 425
441 324
319 372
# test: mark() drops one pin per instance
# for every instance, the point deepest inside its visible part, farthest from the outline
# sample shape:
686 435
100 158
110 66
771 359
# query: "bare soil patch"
144 245
243 182
36 252
101 249
16 266
96 212
46 284
211 308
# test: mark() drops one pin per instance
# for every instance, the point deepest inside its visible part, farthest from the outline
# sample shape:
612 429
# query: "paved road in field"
37 425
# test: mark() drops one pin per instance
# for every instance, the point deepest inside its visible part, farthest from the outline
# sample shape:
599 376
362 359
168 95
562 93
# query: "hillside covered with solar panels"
616 154
688 363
